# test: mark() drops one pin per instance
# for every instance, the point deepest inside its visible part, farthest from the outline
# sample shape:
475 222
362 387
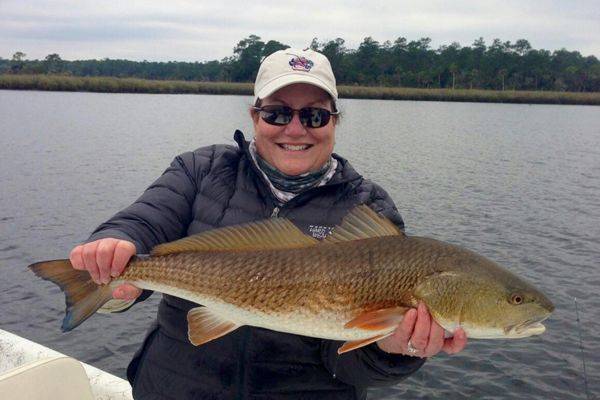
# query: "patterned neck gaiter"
285 187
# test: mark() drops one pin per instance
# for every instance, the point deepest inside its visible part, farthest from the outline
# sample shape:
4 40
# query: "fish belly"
324 324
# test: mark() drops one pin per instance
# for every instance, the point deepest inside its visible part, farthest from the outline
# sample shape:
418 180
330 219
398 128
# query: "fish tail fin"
83 297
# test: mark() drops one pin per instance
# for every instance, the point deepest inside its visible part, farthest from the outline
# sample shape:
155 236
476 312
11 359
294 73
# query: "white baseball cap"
289 66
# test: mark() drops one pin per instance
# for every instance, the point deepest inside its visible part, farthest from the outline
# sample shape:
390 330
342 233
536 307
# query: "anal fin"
348 346
115 306
204 326
377 320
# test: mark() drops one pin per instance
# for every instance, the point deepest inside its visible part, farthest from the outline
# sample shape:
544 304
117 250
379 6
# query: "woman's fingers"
126 292
456 343
420 336
104 258
407 326
403 332
397 342
76 257
436 340
124 250
89 259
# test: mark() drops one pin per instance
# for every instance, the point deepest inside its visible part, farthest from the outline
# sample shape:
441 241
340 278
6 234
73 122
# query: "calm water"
517 183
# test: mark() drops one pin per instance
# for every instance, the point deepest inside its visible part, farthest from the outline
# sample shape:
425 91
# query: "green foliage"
399 63
248 54
247 57
53 64
271 47
17 62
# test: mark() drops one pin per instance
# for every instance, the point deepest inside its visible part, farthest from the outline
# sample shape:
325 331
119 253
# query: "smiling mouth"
294 147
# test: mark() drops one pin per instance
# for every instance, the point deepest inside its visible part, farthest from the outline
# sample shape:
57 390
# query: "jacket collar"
345 172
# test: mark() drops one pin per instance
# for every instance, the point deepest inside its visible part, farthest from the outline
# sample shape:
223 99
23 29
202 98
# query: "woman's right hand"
105 259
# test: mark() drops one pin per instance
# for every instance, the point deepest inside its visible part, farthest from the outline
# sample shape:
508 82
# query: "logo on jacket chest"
320 231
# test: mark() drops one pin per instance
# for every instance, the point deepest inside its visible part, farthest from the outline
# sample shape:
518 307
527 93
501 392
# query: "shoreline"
135 85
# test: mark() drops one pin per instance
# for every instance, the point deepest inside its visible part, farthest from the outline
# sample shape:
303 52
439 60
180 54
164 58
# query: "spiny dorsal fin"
275 233
362 223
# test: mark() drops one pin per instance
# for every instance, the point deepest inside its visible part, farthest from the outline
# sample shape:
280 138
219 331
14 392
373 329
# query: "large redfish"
354 286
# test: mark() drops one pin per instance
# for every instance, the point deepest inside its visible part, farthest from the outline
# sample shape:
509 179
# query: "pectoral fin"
204 326
377 320
348 346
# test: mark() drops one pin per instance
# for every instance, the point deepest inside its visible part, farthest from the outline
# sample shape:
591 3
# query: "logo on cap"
301 64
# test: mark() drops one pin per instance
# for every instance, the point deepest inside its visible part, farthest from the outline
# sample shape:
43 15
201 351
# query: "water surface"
517 183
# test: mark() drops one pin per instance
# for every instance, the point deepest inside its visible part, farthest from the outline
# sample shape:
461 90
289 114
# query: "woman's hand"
105 259
419 335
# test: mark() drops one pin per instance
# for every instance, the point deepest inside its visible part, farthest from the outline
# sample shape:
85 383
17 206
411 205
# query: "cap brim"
290 79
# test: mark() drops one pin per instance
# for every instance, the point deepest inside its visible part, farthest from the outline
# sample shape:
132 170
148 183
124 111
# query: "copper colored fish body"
354 286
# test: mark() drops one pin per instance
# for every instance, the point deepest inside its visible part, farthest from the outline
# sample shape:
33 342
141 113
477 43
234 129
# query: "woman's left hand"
418 335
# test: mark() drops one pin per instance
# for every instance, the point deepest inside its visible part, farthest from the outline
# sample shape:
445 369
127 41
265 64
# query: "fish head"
486 300
496 310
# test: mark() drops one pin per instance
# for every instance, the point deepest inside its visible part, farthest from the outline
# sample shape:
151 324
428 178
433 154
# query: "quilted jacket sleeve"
164 211
381 202
369 365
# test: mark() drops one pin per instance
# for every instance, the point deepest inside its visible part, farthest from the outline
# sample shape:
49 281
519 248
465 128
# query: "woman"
288 170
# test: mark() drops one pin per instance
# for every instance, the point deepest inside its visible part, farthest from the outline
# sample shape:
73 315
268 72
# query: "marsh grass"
118 85
132 85
470 95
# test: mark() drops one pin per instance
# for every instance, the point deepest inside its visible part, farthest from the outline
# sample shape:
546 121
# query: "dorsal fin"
362 223
270 234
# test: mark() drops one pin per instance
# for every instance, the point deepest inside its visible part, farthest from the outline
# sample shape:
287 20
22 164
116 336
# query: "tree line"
401 63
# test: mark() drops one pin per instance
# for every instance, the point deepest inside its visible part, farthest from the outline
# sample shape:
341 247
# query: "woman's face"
295 149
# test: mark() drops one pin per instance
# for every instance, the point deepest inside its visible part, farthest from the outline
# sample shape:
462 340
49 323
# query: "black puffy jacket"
218 186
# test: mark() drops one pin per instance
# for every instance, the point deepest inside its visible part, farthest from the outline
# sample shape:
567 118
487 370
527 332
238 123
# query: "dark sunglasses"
311 117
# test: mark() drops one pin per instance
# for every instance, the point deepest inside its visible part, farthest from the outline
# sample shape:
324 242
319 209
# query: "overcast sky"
180 30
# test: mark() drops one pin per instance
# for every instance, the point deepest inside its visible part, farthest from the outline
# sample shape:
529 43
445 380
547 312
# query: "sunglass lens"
311 117
277 115
314 117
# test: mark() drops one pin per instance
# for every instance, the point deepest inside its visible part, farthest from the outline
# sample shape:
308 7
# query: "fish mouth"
530 327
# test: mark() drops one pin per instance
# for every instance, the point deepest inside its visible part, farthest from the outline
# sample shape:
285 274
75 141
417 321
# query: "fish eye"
516 299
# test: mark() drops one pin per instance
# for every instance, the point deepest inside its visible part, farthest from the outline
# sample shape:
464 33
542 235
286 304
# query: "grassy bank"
131 85
118 85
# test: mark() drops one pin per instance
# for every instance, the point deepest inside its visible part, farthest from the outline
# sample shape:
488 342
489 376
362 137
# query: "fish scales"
345 277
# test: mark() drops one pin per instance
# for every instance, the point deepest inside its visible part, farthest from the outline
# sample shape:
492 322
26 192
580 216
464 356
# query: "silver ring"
410 349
